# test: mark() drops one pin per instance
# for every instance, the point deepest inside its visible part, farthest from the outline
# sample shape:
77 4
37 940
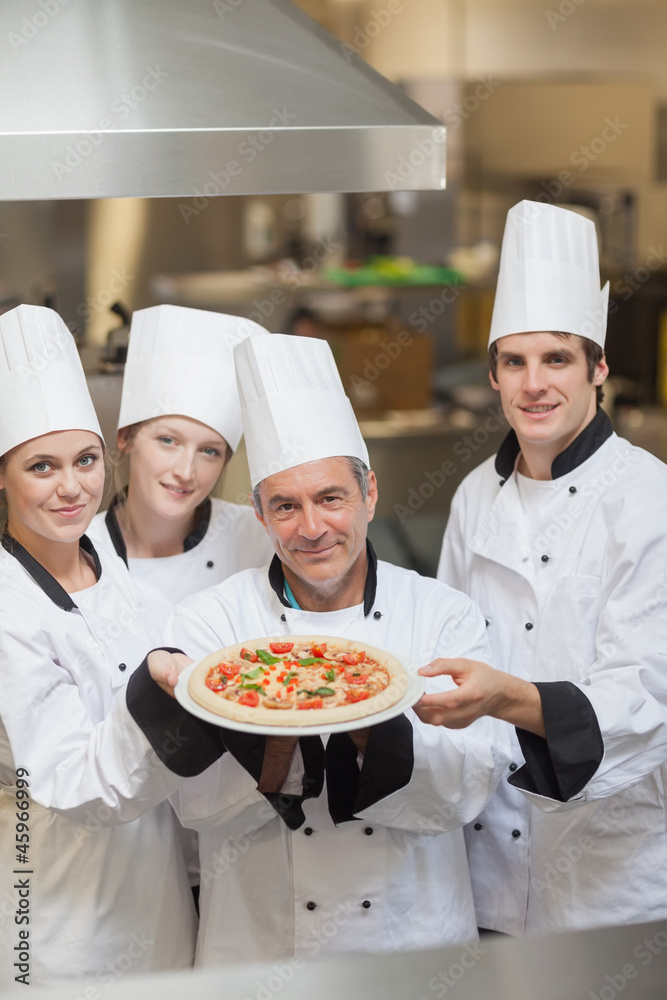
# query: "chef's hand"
165 667
480 690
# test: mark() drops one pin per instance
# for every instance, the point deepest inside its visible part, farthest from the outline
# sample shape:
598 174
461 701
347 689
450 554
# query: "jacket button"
366 904
545 558
513 766
310 905
573 489
529 625
368 830
308 831
210 564
377 614
516 833
502 482
478 826
122 666
282 618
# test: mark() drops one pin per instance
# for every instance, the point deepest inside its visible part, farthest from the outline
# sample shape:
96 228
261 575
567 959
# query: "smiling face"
545 390
318 520
53 486
174 464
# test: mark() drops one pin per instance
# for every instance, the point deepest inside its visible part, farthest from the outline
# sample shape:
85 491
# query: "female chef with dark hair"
179 424
88 885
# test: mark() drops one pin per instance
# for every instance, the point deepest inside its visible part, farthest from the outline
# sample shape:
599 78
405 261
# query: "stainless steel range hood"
138 98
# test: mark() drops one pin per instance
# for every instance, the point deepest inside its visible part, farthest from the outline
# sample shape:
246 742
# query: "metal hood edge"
187 98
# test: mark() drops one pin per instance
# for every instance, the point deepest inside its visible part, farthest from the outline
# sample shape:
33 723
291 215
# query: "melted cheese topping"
298 679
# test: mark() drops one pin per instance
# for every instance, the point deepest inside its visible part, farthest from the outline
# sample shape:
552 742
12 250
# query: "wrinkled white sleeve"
451 566
455 771
627 683
104 772
225 794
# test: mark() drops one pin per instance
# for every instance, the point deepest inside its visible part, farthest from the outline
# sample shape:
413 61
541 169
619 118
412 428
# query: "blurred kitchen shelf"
226 289
645 427
394 272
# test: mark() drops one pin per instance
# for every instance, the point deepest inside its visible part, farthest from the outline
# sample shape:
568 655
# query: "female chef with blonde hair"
179 424
88 885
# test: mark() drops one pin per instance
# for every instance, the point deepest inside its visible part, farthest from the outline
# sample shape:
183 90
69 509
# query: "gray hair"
358 469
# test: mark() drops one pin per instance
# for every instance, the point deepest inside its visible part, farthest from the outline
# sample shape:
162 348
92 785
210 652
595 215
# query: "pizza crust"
223 707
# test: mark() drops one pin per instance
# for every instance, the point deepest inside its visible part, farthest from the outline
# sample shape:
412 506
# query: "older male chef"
362 850
562 541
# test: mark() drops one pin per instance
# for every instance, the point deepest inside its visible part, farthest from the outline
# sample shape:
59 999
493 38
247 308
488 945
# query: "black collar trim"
201 527
111 521
190 541
584 445
277 580
42 577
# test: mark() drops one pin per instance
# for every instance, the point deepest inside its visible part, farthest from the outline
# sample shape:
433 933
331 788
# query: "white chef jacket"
581 599
396 876
228 538
107 892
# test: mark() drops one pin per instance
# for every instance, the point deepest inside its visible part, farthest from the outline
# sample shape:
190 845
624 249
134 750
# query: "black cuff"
388 762
559 766
185 744
288 807
249 750
342 777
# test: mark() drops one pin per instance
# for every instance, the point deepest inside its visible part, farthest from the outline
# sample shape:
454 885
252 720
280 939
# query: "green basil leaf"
252 687
309 660
267 657
289 677
330 675
323 692
252 674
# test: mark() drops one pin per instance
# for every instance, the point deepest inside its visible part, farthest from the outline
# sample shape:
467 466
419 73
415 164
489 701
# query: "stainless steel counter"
626 962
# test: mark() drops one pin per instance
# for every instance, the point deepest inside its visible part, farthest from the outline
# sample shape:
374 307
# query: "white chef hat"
293 404
180 361
549 275
42 384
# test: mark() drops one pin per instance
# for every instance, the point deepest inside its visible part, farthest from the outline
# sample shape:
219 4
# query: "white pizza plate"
412 695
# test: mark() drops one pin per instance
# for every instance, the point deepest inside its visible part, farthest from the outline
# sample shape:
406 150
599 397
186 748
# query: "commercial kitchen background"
559 100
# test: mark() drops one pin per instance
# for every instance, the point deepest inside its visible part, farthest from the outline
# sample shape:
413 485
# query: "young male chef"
352 843
562 541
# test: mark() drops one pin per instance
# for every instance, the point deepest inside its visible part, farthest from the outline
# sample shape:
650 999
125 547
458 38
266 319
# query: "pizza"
298 681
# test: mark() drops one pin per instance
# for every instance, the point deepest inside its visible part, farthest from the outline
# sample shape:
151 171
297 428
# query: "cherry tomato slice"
310 703
318 650
281 647
215 682
249 698
247 654
359 695
355 676
229 669
353 658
